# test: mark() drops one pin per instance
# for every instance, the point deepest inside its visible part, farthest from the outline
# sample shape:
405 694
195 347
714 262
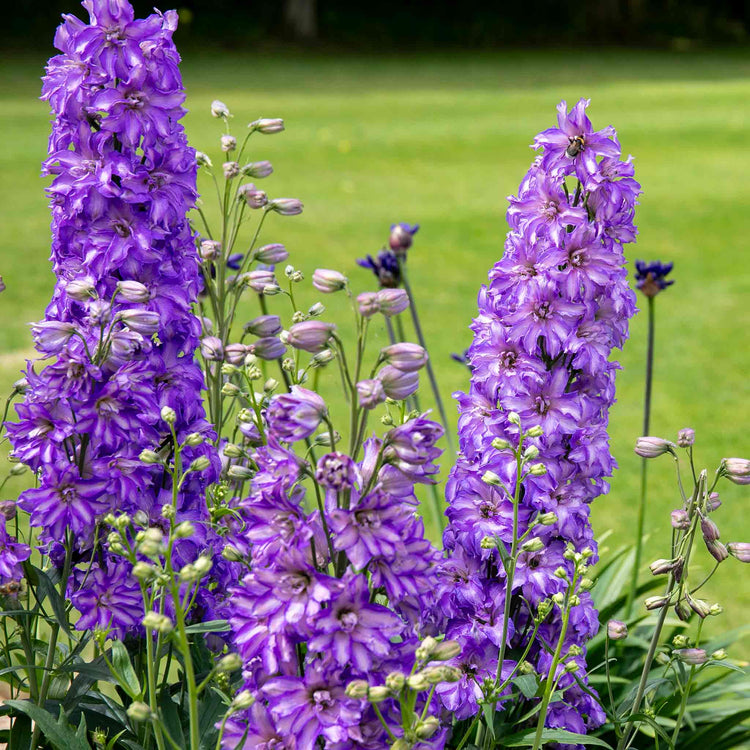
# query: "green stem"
686 692
430 371
646 425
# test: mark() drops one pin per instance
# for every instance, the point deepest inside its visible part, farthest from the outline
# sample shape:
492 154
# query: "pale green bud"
395 681
525 667
168 414
270 385
513 418
561 573
357 689
168 512
535 431
233 451
230 389
531 452
547 519
532 545
158 622
194 439
200 463
571 666
184 530
500 445
425 648
138 711
229 663
244 699
203 565
378 694
719 655
489 477
231 553
149 457
446 650
239 473
558 598
17 470
418 682
425 729
143 571
537 470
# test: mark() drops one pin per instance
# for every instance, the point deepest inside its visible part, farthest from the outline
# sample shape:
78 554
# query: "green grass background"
442 141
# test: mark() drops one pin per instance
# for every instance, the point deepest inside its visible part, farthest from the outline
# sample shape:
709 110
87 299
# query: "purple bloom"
402 237
12 554
296 415
352 630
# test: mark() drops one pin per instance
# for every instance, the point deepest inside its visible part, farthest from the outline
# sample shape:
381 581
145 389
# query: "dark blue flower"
385 267
650 277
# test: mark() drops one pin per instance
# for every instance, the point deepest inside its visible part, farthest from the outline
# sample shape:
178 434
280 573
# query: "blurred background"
423 113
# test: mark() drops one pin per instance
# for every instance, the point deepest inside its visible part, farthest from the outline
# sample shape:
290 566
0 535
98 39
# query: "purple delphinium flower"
556 305
118 336
308 607
295 415
12 554
651 278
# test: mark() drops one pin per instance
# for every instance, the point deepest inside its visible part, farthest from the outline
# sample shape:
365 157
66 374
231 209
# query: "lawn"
442 141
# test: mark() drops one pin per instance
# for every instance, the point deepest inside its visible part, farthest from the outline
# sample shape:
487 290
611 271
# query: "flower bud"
500 444
425 649
286 206
210 250
532 545
692 656
700 607
328 281
535 431
228 143
560 573
651 447
149 457
661 566
17 470
686 437
184 530
680 519
194 439
405 356
558 598
231 169
229 663
158 622
680 641
425 729
244 699
144 322
168 414
537 470
267 126
240 473
219 109
257 169
232 554
401 237
212 349
489 477
398 384
717 550
715 610
321 359
264 325
739 550
203 160
418 682
709 529
392 301
547 519
525 667
310 335
395 681
531 452
656 602
272 254
446 650
268 348
253 197
200 463
570 667
138 711
143 571
617 630
357 689
719 655
81 289
682 610
368 304
378 694
259 280
737 470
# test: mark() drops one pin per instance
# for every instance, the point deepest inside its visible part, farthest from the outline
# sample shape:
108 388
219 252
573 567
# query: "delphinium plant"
534 445
674 684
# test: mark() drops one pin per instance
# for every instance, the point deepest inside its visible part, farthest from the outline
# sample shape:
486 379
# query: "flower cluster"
117 372
337 593
556 305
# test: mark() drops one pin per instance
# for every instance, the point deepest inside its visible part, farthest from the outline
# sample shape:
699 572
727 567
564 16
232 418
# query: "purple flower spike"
119 335
556 305
385 267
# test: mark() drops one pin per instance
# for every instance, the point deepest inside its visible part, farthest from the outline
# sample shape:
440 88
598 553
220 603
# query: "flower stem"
430 371
646 425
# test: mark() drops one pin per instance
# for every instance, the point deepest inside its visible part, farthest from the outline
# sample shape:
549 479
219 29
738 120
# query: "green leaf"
653 724
526 739
527 684
488 710
211 709
124 671
48 590
170 715
707 736
60 735
211 626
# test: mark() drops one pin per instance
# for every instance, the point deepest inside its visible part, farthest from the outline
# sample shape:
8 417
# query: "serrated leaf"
60 735
526 739
124 671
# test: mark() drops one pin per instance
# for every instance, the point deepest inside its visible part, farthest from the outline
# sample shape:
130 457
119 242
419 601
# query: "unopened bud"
700 607
571 666
425 729
425 648
661 566
231 553
537 470
184 530
158 622
395 681
168 414
617 630
717 550
489 477
219 109
194 439
739 550
532 545
531 452
446 650
138 711
692 656
736 470
244 699
240 473
656 602
200 463
418 682
513 418
267 125
378 694
229 663
651 447
535 431
719 655
547 519
680 519
357 689
680 641
686 437
500 444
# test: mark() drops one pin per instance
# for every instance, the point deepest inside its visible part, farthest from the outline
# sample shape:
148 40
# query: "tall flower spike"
119 335
555 306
